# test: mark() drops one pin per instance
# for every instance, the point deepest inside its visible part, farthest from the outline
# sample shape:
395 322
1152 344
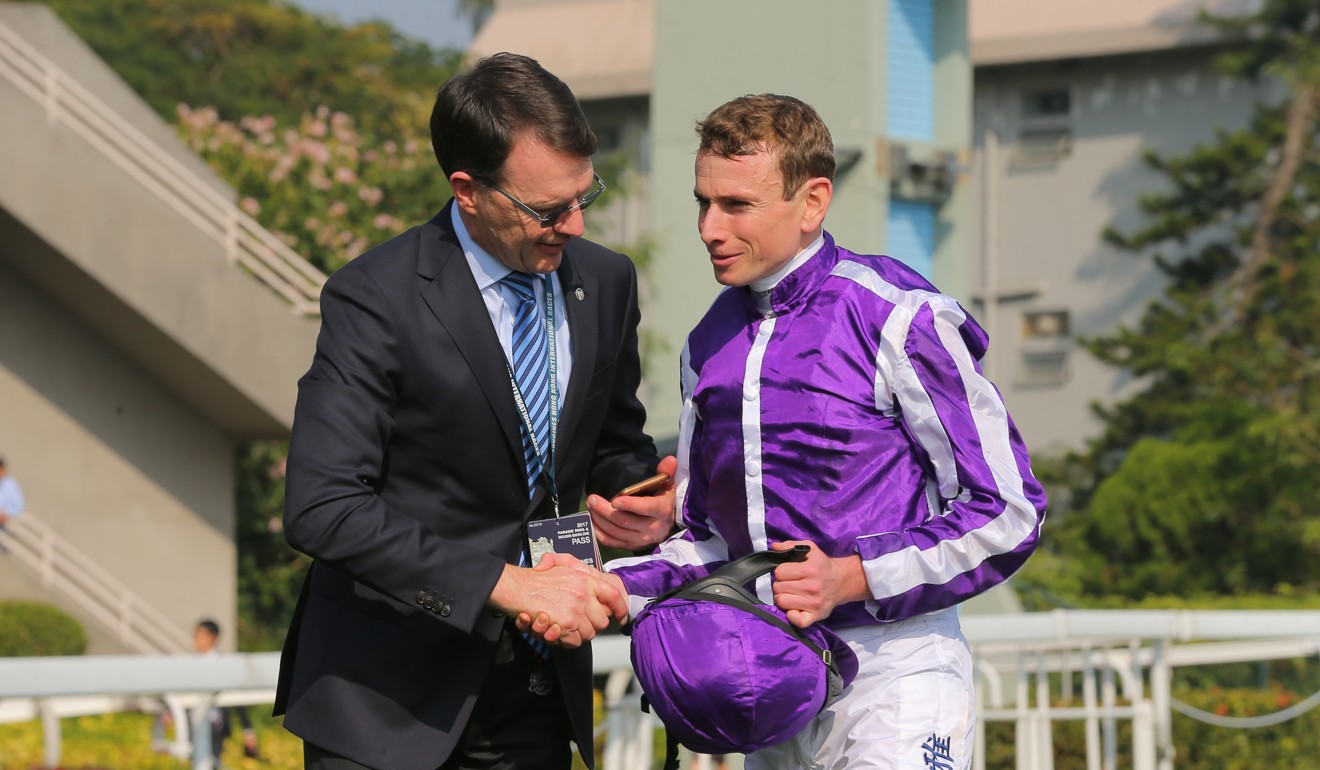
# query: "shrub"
34 629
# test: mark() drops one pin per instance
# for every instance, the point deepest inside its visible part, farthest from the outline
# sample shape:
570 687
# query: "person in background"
205 637
12 503
836 400
220 721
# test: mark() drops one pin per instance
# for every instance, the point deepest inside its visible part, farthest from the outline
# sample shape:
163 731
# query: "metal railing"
62 567
1124 660
245 242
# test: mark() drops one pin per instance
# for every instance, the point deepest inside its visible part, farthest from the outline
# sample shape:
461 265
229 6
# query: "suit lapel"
450 291
580 305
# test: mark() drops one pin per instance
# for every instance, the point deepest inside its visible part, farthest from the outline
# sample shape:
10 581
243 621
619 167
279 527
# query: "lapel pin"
579 294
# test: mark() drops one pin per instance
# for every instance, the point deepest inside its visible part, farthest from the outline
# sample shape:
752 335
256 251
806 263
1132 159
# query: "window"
1042 370
1046 340
1045 127
1051 325
1047 103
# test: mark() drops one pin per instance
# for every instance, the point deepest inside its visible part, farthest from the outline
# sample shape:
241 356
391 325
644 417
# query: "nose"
710 225
572 224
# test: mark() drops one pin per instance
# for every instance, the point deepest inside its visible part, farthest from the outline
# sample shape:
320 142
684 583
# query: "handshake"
566 602
561 600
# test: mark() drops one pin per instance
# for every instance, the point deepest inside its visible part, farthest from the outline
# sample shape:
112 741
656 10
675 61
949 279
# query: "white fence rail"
63 568
245 242
1124 660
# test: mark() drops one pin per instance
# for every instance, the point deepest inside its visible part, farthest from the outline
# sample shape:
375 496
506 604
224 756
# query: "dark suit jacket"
406 482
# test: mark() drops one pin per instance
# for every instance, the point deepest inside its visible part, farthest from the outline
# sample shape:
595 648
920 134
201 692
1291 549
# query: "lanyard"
547 463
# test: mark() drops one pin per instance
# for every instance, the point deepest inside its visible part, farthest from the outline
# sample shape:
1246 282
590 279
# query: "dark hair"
212 627
782 126
478 115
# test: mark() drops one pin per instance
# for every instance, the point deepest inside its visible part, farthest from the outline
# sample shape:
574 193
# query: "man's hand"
808 591
633 522
524 621
560 603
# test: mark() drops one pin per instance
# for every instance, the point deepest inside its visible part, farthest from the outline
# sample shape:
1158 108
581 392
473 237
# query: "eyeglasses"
554 215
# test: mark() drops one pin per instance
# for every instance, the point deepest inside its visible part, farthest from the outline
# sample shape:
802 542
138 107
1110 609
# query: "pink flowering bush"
326 190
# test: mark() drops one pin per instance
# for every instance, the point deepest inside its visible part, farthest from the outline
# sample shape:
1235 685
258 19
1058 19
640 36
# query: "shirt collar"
485 267
762 289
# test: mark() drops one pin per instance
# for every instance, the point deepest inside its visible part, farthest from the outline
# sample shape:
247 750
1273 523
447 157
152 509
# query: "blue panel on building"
911 70
911 235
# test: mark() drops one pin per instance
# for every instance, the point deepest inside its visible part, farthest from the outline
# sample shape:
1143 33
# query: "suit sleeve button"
444 610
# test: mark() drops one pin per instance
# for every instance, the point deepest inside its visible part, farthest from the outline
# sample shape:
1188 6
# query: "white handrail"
244 240
64 568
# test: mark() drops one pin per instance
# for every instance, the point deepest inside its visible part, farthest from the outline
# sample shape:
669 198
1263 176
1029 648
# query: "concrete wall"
113 461
1039 224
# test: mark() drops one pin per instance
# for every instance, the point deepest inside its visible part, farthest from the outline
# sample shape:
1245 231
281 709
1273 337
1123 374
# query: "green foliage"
33 629
259 57
323 188
270 573
1290 744
123 742
1203 481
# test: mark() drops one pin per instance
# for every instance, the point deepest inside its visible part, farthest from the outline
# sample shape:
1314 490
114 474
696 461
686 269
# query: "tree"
259 57
323 188
1204 480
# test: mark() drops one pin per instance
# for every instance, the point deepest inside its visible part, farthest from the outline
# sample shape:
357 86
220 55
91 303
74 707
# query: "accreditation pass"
572 535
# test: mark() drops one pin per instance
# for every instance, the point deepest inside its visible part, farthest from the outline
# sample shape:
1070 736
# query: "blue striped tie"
529 358
531 369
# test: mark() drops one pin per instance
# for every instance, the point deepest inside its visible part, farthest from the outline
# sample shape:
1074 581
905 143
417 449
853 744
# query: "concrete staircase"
38 565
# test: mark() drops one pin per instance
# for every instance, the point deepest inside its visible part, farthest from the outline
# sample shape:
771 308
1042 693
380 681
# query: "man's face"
749 229
542 178
203 640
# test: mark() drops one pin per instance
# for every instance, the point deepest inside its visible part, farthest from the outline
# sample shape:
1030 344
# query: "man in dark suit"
417 642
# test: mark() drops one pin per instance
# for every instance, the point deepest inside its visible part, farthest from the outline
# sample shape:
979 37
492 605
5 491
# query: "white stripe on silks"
681 553
911 567
687 424
918 409
753 478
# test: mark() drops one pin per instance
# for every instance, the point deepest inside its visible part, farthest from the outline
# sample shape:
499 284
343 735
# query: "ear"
816 202
465 192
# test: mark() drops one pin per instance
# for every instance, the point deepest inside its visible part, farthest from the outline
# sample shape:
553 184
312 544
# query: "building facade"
987 144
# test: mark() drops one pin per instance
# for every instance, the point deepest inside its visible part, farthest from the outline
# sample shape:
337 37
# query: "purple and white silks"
854 415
